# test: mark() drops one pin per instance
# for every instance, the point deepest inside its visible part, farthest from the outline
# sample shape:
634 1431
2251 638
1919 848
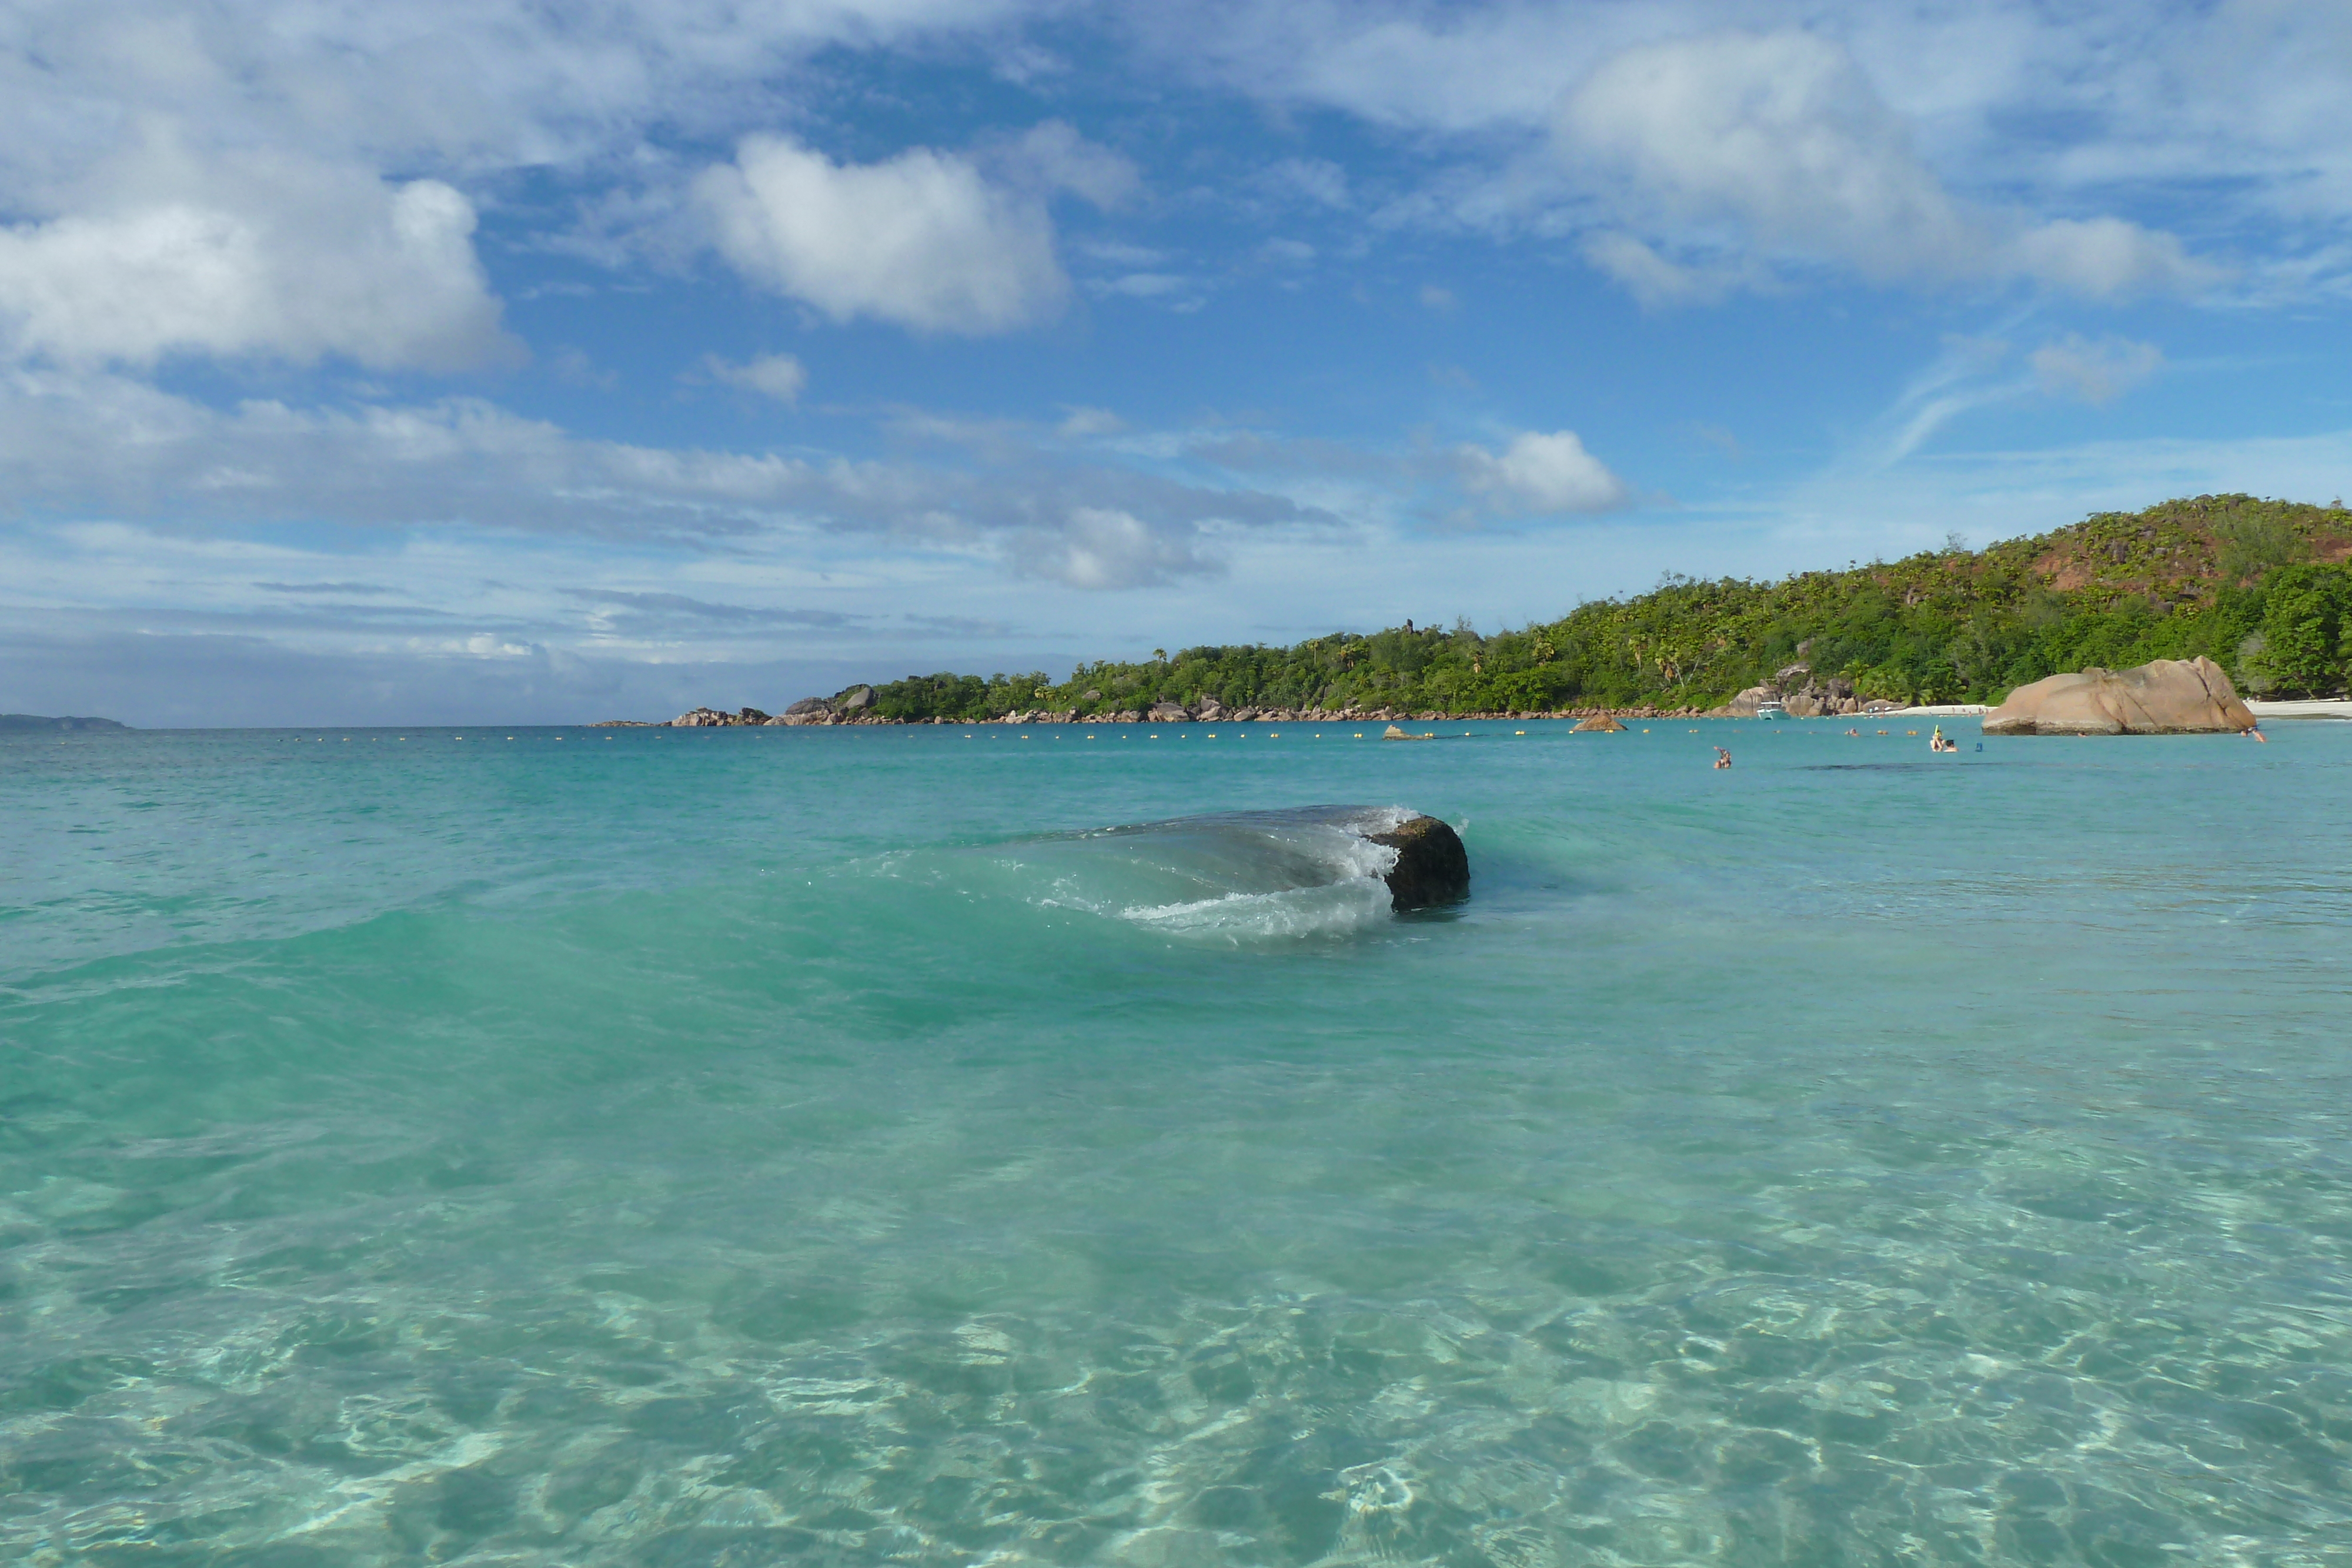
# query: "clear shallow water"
748 1148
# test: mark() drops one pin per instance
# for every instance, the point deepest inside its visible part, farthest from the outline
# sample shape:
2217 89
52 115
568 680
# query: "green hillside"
2259 587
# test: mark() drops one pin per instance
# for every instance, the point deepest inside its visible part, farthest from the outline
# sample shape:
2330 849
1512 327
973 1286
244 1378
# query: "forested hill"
2259 587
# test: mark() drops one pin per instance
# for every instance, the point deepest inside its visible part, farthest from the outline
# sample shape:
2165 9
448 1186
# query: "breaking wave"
1232 877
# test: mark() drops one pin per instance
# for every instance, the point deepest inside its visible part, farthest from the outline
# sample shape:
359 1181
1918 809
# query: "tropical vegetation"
2260 587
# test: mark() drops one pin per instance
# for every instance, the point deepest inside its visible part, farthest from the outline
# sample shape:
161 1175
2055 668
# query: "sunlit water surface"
832 1147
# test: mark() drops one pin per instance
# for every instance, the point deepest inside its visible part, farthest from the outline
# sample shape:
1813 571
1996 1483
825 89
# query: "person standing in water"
1722 758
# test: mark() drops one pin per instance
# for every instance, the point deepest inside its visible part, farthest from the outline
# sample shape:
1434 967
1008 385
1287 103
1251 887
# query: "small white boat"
1770 709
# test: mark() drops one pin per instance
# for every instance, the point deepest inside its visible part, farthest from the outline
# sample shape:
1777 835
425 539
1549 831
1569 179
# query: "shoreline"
2308 708
705 718
714 718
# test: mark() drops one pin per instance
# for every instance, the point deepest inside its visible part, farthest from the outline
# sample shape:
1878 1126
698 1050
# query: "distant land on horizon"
2262 586
20 721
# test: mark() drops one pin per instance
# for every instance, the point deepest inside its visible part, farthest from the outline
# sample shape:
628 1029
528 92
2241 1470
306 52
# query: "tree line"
2259 587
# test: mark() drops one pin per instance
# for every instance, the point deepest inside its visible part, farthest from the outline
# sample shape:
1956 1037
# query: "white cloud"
1319 180
461 86
1779 139
779 376
2097 373
1463 68
1972 373
1540 473
1079 424
110 446
1104 548
923 239
2103 258
1173 291
1780 132
2045 107
1055 156
1656 281
255 256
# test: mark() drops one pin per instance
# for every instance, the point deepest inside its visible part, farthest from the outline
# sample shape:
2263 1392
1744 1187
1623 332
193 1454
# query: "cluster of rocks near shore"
857 706
1802 694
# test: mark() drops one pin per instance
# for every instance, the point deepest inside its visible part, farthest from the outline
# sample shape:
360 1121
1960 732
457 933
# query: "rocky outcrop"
2165 697
1798 691
717 718
1169 713
1821 698
1431 867
808 710
1598 723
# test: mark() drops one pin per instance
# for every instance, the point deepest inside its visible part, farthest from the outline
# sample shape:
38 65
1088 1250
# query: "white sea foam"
1233 877
1334 910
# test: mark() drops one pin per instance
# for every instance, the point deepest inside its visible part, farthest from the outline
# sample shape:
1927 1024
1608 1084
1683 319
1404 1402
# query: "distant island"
2261 587
9 721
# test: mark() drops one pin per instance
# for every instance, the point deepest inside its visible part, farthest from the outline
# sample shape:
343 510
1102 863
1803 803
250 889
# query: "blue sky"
497 362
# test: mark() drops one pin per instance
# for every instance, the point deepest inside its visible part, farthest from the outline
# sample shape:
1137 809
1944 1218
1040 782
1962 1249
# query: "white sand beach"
2316 707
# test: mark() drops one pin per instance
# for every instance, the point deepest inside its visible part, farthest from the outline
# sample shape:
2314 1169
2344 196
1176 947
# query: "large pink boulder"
2164 696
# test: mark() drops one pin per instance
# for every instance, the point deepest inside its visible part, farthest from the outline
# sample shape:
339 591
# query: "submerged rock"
1431 867
2164 696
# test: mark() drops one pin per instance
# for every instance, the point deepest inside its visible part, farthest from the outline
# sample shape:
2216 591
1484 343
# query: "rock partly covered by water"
2164 696
1431 867
1600 724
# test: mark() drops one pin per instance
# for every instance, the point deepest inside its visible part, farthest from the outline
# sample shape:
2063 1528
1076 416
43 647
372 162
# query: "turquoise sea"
831 1147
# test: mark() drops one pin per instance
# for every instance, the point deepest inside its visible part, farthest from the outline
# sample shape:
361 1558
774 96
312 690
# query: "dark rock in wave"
1431 867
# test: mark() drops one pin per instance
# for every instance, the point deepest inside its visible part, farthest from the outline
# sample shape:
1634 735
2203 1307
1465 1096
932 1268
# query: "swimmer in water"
2255 734
1722 758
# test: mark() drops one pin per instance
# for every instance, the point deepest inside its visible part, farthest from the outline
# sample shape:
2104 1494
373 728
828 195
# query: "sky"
484 361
